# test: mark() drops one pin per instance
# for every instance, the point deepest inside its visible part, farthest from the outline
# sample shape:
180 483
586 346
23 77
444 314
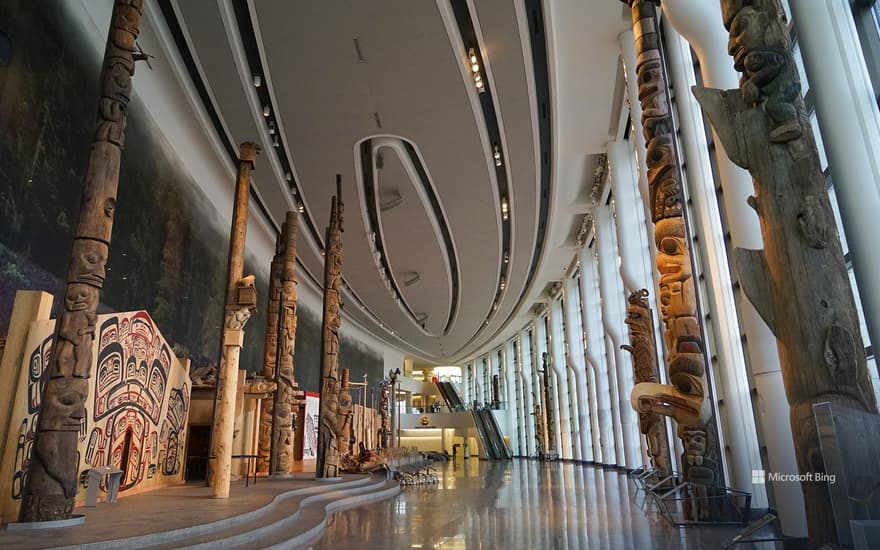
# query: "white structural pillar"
700 23
577 362
557 362
632 242
525 355
850 123
733 403
613 312
604 450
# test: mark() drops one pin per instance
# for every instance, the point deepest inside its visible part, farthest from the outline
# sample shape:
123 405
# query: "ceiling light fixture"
258 81
506 257
475 71
267 111
301 208
275 142
504 209
271 127
497 156
288 176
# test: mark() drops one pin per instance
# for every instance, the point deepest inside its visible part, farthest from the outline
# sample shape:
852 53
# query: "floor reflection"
517 504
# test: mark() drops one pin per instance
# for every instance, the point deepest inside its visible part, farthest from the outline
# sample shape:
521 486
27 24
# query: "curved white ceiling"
339 73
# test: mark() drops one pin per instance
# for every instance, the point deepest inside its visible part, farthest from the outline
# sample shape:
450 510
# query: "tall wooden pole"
346 414
687 399
549 406
51 483
799 282
284 402
327 463
270 358
241 300
643 348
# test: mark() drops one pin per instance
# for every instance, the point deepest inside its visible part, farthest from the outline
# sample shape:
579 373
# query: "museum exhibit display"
608 278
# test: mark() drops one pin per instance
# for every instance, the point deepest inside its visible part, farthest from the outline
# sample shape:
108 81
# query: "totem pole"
643 348
283 413
385 404
687 398
270 358
798 283
241 301
549 413
346 414
328 454
540 436
51 484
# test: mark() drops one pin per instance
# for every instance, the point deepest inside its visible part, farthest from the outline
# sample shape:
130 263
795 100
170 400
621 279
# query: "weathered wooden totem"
687 398
283 410
346 414
270 358
385 413
241 301
328 454
549 408
51 484
798 283
643 348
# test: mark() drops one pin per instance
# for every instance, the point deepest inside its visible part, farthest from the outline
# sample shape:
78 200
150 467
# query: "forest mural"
168 254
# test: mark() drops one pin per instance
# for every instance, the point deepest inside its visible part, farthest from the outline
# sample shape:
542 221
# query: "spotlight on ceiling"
288 176
504 209
475 71
271 127
258 81
497 155
301 208
267 110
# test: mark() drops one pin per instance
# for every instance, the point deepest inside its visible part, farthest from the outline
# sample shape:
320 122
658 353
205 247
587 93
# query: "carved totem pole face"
677 296
64 408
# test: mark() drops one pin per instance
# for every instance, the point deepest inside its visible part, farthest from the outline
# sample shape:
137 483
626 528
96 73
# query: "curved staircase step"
175 538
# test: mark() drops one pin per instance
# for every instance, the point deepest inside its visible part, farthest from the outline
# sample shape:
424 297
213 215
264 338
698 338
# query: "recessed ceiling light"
258 81
267 110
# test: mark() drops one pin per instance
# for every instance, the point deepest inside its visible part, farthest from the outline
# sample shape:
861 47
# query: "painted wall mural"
169 246
136 411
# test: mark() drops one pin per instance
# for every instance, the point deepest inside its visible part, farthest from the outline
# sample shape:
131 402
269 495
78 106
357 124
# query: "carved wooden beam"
327 464
798 283
51 483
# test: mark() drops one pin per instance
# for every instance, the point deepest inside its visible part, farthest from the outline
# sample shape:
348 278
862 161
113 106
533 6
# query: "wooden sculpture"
241 300
328 455
643 348
798 283
687 398
549 409
385 414
270 358
346 415
51 484
283 411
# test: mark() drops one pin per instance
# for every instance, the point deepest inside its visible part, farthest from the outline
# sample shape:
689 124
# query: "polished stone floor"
520 504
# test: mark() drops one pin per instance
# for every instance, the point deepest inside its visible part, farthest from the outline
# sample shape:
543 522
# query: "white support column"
700 23
604 447
850 124
510 397
557 362
525 354
731 385
613 312
577 362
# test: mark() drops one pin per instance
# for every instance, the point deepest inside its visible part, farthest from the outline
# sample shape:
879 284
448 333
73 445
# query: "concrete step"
287 503
289 520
